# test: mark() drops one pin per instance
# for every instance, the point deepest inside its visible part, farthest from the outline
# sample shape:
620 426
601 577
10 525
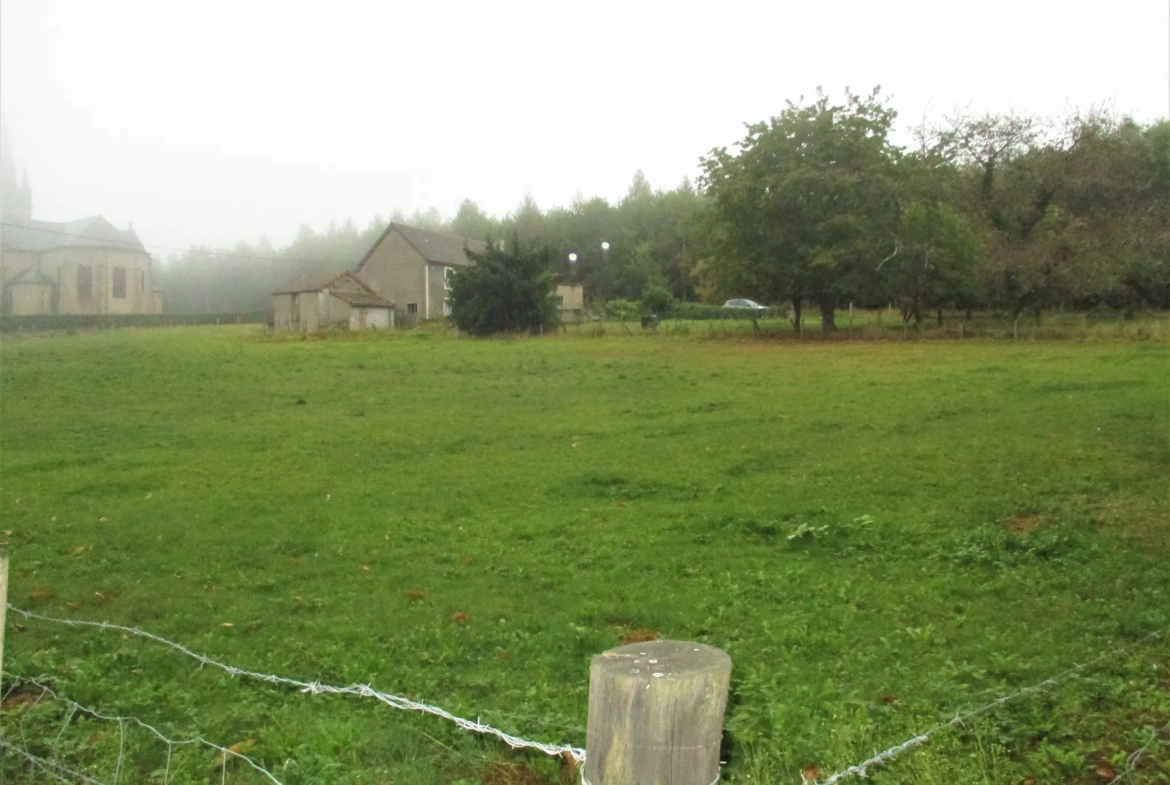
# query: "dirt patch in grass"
639 635
1023 522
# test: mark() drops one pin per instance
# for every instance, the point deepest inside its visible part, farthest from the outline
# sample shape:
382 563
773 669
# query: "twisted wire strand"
860 769
317 688
75 707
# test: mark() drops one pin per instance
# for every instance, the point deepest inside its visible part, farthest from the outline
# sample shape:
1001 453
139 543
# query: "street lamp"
573 258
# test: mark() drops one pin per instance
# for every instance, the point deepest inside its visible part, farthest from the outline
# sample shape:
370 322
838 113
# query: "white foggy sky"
216 121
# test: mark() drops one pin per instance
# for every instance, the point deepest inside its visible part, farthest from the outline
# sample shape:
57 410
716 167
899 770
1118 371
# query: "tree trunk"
828 307
940 317
796 319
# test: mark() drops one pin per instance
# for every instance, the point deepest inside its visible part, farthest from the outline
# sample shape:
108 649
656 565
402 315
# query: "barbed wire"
1132 761
882 757
317 688
75 707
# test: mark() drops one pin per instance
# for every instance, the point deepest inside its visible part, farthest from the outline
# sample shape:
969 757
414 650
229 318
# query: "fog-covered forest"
818 206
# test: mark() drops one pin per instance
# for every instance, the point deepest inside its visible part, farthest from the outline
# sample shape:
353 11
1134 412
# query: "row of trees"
818 206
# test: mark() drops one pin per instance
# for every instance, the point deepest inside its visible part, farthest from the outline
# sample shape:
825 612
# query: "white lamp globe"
572 257
605 245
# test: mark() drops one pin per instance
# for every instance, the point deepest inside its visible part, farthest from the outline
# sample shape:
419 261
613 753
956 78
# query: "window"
84 280
142 281
412 307
447 277
560 301
120 282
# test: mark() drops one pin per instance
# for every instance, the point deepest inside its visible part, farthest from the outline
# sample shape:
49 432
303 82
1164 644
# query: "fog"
221 121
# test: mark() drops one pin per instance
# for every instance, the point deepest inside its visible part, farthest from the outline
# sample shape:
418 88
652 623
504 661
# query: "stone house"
333 300
411 267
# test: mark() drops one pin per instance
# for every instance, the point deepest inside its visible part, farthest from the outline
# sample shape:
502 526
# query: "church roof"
92 232
434 246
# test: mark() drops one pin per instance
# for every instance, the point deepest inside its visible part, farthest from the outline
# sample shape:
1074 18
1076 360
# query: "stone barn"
335 300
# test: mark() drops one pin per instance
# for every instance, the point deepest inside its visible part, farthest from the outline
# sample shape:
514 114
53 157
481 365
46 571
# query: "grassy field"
880 534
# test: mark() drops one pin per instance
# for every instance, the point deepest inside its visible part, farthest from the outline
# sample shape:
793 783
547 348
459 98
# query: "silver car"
751 305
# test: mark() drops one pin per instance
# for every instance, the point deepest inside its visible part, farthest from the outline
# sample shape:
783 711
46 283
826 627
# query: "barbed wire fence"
576 754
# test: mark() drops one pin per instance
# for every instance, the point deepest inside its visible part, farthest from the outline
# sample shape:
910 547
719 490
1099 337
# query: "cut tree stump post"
656 714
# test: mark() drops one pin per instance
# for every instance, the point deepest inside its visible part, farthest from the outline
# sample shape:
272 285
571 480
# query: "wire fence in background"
564 750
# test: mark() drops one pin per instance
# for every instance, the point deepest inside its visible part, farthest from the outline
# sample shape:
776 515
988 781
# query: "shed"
338 300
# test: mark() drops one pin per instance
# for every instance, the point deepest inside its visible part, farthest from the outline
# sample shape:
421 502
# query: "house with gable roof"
411 267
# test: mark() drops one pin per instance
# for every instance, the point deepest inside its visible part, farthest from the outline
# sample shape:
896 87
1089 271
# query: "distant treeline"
817 208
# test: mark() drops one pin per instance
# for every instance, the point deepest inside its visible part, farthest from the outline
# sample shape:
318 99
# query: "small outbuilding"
570 302
336 300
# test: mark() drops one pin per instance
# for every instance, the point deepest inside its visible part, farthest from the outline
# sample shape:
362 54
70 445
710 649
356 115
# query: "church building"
88 266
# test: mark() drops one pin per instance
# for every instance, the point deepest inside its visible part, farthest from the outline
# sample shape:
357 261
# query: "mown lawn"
880 535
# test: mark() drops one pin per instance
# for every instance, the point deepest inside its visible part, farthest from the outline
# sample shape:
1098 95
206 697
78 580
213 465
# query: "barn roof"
317 282
435 247
363 299
91 232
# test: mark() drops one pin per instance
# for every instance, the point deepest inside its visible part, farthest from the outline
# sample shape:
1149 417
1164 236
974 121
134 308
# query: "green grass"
880 535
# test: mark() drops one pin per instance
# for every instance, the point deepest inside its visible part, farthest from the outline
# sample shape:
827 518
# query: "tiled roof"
312 283
434 246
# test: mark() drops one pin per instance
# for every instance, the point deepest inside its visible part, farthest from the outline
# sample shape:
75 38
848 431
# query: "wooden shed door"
363 317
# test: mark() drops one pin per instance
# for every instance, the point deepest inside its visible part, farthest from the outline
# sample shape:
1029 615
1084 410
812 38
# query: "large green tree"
803 210
506 289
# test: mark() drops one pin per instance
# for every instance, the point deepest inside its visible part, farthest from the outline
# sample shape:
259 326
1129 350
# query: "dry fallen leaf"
414 594
459 617
243 746
9 531
40 593
78 549
137 671
102 519
1105 771
810 773
226 624
365 567
149 495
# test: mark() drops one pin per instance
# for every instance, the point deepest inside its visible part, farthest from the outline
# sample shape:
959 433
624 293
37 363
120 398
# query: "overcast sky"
214 121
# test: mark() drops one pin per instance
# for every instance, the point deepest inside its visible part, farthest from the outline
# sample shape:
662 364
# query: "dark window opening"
560 300
84 281
412 307
120 282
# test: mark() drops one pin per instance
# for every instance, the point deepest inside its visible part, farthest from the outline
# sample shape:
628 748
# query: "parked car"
751 305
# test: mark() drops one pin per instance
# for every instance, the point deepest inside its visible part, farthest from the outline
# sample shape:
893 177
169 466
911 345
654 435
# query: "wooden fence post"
656 714
3 600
